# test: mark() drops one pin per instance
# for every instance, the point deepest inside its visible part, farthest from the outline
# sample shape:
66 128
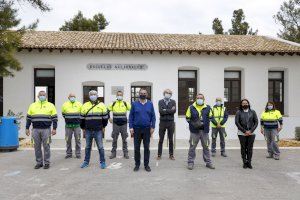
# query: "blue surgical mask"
200 102
119 98
93 97
218 103
72 99
42 98
270 107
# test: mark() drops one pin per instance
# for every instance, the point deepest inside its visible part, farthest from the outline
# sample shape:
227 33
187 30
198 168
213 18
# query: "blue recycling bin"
9 134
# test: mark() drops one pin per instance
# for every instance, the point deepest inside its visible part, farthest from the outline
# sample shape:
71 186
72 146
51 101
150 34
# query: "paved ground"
269 179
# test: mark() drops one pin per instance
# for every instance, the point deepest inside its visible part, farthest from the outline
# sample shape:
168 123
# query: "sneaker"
190 166
136 168
213 154
148 169
68 156
269 156
172 157
46 166
102 165
38 166
158 157
78 156
112 156
210 166
84 165
276 157
224 154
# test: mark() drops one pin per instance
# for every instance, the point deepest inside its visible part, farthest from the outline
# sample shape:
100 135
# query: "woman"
246 122
271 125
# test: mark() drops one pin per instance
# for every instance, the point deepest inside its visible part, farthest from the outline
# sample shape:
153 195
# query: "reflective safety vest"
270 119
218 115
41 115
72 112
94 116
119 110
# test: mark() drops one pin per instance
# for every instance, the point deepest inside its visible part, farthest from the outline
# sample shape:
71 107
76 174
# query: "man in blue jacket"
142 124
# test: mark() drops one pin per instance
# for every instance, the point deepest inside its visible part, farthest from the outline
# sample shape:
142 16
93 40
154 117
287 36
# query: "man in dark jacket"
142 124
167 109
198 115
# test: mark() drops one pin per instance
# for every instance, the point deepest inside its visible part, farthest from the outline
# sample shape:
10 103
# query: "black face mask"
142 96
245 107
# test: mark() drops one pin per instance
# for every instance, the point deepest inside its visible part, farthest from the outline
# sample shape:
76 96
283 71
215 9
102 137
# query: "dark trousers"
139 135
163 127
246 147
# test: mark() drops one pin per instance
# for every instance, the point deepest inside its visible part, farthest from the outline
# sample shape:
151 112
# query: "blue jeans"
89 136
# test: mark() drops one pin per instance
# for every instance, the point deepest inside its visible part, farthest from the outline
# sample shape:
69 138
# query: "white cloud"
160 16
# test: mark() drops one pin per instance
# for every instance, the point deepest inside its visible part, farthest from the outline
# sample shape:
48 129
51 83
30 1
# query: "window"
135 92
87 89
276 89
44 79
187 89
232 91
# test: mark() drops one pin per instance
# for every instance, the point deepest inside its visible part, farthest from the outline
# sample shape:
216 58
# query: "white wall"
71 72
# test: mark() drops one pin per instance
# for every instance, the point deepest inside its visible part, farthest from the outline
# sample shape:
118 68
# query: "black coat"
246 121
166 112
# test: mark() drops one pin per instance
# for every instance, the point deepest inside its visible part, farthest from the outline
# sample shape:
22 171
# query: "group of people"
93 116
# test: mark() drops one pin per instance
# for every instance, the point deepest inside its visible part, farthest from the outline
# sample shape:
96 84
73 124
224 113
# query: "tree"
80 23
217 26
239 25
289 18
10 40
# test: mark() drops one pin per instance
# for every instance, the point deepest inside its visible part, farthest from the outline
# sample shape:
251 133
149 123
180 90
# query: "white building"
256 67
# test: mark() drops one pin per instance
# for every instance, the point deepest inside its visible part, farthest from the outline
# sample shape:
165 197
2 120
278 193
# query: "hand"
83 133
173 108
279 129
103 130
219 125
248 133
27 132
53 132
262 131
131 132
151 131
110 120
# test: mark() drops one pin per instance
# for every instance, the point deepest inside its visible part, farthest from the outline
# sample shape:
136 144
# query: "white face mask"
168 96
93 97
120 98
200 102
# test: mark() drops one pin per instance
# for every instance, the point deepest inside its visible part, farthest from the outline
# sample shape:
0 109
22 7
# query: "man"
198 116
94 115
41 114
167 109
119 109
71 112
142 124
218 121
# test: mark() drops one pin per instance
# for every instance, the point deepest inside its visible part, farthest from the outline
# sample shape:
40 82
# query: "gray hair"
93 92
167 91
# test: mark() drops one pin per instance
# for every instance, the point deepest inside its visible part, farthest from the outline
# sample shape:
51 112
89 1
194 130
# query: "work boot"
210 166
136 168
223 154
126 156
148 169
276 157
249 165
78 156
245 165
68 156
38 166
46 166
171 157
190 166
213 154
113 155
269 156
158 157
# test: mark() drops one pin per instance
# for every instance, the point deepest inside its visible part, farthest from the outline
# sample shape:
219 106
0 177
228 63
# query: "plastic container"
9 134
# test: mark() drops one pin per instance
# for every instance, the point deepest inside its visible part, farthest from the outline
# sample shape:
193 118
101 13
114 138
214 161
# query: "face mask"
42 98
120 98
72 99
93 97
270 107
219 103
167 96
142 96
245 107
200 101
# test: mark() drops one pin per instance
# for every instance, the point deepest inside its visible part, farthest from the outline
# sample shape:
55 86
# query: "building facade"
253 67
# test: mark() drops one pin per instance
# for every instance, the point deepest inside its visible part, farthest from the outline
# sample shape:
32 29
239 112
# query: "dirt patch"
25 142
289 143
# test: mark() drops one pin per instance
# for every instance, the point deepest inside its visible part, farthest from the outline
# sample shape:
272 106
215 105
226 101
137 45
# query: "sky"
157 16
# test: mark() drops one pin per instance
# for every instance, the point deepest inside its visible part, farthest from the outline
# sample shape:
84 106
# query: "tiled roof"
79 40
